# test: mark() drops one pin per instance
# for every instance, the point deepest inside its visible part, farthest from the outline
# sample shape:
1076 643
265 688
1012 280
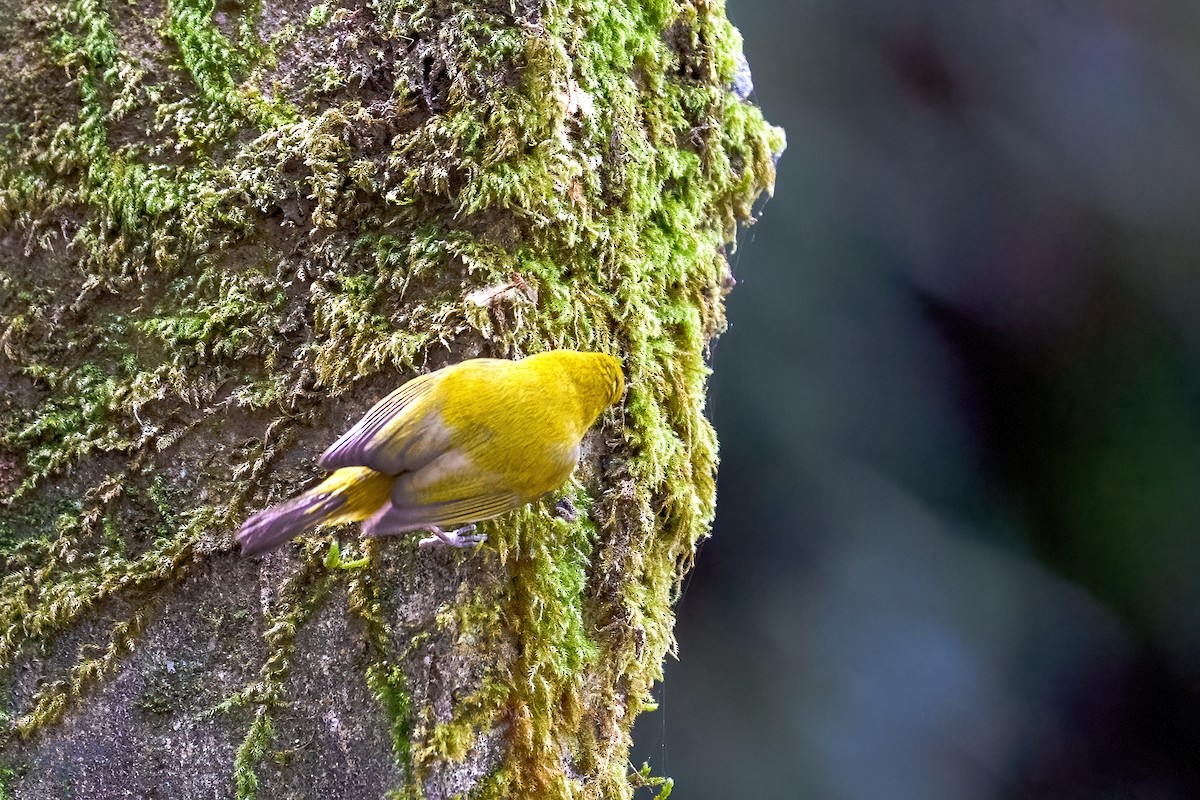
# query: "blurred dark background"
957 550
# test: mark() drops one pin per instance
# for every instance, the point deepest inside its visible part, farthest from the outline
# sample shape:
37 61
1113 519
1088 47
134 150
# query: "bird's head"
596 376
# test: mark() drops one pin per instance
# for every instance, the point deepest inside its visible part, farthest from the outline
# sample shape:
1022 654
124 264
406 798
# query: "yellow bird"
464 443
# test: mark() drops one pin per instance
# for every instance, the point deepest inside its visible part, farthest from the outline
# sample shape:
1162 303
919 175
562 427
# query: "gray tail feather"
272 527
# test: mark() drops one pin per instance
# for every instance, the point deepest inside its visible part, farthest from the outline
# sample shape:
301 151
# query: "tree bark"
226 228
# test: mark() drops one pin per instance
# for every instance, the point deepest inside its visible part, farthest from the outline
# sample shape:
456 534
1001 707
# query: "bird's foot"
459 537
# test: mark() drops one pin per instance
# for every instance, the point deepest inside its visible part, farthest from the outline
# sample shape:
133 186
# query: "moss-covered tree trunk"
226 228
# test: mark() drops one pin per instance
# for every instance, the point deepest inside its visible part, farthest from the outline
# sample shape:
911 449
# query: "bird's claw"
459 537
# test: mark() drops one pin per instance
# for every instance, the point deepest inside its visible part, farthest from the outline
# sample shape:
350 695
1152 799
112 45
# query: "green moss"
318 15
53 699
76 420
300 598
643 778
250 753
385 679
7 775
258 215
390 688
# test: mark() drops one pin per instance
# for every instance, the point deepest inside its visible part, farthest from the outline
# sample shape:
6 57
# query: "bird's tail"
349 494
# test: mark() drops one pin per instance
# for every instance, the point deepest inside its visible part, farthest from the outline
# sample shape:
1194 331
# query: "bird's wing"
399 433
398 518
474 509
450 490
